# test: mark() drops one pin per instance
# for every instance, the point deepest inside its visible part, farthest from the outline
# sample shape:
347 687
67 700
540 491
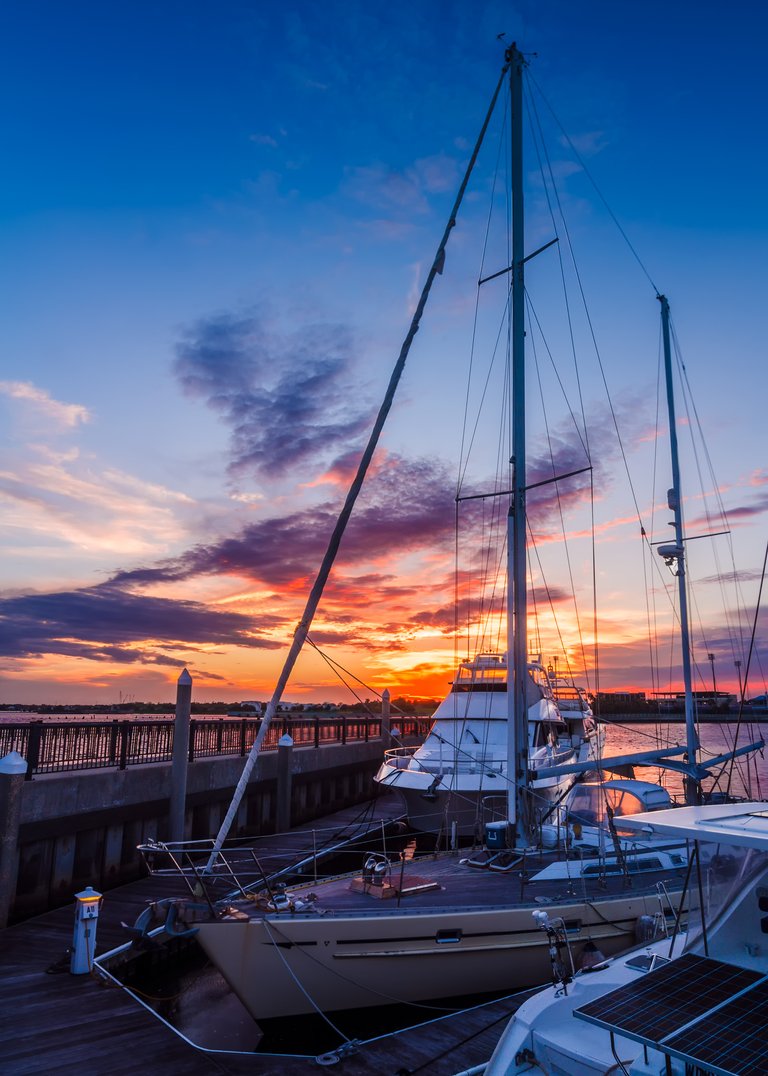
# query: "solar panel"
664 1001
731 1040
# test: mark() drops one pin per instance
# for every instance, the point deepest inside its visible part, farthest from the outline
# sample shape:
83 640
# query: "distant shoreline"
95 715
730 718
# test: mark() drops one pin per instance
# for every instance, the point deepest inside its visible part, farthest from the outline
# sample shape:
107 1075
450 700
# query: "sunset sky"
216 223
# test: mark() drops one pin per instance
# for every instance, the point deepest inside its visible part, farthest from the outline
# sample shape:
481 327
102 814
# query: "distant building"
626 698
246 708
674 701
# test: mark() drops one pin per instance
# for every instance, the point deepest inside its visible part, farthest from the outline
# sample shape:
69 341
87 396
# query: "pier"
82 826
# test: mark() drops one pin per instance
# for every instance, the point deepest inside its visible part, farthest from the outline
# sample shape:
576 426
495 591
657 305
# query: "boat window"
588 803
647 961
647 863
487 669
537 686
484 686
548 732
444 937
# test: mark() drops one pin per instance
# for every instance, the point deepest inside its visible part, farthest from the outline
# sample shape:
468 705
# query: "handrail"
60 746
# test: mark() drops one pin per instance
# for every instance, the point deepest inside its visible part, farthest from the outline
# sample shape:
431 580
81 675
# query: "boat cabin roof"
741 824
651 797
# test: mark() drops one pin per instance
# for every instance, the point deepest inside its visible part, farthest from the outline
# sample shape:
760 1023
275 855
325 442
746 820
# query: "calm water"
749 778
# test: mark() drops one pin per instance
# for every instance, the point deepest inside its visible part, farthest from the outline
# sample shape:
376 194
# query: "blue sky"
215 221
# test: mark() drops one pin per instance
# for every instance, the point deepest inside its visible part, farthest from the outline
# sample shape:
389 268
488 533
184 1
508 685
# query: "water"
750 779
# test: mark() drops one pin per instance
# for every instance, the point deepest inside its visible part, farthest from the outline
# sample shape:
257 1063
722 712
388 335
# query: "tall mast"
517 606
676 555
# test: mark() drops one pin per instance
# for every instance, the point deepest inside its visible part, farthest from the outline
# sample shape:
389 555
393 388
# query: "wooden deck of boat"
76 1024
442 881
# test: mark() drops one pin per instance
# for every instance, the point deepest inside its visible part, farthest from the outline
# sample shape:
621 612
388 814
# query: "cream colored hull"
345 962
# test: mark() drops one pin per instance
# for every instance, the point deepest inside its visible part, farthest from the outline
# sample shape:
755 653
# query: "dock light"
87 908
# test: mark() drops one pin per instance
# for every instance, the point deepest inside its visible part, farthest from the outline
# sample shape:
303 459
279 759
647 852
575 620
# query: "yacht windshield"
730 878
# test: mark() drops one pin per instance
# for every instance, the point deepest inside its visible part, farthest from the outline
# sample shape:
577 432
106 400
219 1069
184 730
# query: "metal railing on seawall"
56 747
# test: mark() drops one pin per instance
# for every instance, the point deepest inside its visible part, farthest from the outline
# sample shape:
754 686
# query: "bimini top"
742 824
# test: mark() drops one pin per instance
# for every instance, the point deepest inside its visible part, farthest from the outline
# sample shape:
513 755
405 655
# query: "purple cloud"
284 398
405 506
104 623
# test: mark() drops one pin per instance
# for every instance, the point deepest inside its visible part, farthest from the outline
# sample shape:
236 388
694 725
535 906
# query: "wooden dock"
57 1022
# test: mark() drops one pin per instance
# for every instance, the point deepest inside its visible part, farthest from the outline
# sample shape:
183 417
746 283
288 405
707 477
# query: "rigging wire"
593 181
538 128
566 545
500 147
338 669
538 134
598 356
589 320
737 647
751 647
651 610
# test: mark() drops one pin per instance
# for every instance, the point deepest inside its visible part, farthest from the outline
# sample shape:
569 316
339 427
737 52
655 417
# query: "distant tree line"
411 707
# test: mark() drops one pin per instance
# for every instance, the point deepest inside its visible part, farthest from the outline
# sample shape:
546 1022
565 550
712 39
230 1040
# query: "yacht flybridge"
455 783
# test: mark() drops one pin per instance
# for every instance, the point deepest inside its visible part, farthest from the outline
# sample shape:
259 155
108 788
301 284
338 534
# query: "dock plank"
78 1025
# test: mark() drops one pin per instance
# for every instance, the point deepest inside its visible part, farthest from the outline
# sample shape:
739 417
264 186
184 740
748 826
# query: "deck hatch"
447 937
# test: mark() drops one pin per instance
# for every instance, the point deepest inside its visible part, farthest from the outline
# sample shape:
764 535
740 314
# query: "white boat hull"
465 812
345 962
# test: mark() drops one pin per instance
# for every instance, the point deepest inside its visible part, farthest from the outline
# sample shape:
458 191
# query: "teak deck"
77 1025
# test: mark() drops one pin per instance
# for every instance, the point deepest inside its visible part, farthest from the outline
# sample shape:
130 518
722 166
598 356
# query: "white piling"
284 780
178 803
12 770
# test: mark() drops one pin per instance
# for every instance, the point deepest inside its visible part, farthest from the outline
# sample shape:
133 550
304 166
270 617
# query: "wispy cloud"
283 397
386 189
743 575
263 140
587 144
63 497
63 414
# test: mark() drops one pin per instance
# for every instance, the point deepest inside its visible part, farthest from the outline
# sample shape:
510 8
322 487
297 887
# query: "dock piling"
386 738
180 757
284 779
13 769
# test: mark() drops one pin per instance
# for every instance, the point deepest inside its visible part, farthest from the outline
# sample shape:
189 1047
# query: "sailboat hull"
282 965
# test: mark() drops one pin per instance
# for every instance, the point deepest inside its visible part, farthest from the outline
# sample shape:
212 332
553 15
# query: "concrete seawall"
82 828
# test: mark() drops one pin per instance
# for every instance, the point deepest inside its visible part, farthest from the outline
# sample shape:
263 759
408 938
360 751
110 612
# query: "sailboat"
451 924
